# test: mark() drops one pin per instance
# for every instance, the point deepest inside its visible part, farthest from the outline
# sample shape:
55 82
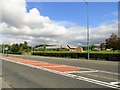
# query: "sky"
58 23
76 11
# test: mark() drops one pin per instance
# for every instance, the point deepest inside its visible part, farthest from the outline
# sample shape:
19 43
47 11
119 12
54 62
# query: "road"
59 72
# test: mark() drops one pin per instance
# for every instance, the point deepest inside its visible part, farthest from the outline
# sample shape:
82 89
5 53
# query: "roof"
53 47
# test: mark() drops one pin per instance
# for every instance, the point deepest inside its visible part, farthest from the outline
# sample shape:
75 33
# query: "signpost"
6 49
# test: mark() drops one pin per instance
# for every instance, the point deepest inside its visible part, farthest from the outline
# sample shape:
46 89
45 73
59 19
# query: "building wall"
79 49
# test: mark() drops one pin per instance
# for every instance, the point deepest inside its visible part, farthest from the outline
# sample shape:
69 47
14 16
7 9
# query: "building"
53 47
58 47
76 49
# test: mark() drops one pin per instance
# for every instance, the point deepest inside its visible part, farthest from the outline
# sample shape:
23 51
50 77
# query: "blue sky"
99 12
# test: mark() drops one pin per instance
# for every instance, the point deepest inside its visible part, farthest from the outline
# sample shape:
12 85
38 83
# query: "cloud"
18 25
115 13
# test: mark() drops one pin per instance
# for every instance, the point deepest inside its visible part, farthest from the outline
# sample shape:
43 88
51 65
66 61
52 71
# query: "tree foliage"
14 48
102 46
113 42
22 47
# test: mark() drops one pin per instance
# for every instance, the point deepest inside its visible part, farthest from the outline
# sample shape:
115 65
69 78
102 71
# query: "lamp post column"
88 40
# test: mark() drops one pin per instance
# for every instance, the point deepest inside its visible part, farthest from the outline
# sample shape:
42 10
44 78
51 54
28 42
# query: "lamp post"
87 29
3 49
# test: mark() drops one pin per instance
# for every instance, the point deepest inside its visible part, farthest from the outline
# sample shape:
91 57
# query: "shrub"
103 56
18 53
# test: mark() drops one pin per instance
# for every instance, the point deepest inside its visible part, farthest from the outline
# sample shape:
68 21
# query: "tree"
112 42
44 47
3 46
15 48
25 45
92 47
102 46
21 47
118 43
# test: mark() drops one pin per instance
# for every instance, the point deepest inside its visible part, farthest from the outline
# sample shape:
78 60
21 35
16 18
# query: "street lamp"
87 28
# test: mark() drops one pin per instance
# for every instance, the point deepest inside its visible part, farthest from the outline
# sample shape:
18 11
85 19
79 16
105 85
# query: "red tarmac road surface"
51 66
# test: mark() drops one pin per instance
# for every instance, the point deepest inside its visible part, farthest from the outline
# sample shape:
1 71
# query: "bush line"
96 56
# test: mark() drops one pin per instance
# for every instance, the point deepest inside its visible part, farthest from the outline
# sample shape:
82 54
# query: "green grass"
106 52
54 51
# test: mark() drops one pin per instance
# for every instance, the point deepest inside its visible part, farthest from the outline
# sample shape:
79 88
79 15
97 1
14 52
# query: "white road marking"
83 71
100 71
102 77
56 66
113 83
69 75
96 70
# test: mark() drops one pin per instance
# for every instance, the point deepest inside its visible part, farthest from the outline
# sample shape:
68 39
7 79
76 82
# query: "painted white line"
100 71
102 77
83 71
55 66
98 82
70 75
93 81
60 66
113 83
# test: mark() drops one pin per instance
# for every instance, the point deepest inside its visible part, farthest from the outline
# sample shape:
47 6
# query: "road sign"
6 48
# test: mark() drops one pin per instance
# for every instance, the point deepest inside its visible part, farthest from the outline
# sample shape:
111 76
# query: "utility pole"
87 29
3 49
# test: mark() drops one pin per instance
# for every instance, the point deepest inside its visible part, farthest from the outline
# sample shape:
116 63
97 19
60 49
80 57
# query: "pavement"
46 72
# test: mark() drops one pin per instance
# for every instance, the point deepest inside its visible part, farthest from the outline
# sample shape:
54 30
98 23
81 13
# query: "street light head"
85 2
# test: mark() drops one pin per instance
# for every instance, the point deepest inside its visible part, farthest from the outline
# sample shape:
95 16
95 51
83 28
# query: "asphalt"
21 76
3 83
110 66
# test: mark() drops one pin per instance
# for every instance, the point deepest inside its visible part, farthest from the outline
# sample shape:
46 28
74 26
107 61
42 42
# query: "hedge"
18 53
103 56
